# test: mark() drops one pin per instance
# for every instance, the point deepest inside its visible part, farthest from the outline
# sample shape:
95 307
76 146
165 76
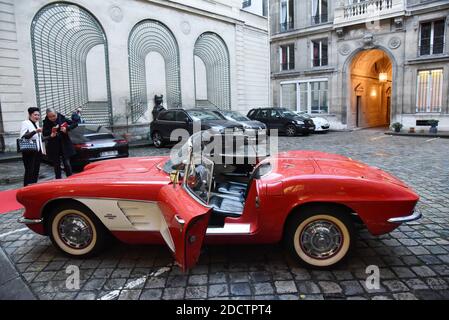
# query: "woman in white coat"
32 159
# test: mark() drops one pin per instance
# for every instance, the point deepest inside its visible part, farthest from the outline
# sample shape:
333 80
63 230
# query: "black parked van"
172 119
282 119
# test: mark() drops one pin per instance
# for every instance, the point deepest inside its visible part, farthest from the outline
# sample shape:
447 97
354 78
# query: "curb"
12 285
418 135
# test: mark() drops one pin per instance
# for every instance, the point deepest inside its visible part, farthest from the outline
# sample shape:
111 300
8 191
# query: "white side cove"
128 215
124 215
231 228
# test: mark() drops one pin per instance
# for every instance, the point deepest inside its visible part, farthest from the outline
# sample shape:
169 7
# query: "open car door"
187 221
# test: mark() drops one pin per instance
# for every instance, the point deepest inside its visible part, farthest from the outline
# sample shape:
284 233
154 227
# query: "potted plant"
433 126
397 126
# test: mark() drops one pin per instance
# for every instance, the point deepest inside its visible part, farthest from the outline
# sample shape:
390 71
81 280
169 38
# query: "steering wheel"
195 181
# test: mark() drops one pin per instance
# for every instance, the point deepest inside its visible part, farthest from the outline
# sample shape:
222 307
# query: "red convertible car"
311 200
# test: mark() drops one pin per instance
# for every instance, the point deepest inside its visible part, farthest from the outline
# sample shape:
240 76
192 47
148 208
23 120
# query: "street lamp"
383 77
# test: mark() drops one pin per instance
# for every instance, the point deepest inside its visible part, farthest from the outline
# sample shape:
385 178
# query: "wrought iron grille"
152 36
212 50
62 35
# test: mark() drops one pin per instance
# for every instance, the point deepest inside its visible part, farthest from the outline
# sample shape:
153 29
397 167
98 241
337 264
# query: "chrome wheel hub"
157 139
321 239
75 231
290 131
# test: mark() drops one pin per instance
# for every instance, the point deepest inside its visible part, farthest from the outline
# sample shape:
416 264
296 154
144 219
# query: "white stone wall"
256 7
186 19
398 38
12 99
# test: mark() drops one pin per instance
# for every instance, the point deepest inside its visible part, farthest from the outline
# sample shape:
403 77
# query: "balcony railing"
320 18
286 26
320 62
368 10
287 66
428 50
366 7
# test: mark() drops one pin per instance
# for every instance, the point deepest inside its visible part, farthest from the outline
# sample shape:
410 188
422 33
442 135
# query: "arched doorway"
370 86
67 75
213 52
151 36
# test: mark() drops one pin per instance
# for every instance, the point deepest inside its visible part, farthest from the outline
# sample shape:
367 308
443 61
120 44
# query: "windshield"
303 114
84 133
199 177
235 116
288 113
204 149
201 115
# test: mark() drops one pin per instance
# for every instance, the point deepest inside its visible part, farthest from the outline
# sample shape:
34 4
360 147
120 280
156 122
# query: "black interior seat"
226 205
232 188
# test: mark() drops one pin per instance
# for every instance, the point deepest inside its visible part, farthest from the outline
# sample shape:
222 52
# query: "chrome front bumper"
29 221
414 216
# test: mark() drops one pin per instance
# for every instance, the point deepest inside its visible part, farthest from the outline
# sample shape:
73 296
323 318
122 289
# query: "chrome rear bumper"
414 216
29 221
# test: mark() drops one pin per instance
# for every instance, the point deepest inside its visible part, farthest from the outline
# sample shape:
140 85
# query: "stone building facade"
112 56
362 63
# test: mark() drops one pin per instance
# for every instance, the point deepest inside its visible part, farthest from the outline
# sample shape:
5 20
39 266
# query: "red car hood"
337 165
142 168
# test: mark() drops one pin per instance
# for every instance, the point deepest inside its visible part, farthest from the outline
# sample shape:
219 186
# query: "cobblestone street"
413 260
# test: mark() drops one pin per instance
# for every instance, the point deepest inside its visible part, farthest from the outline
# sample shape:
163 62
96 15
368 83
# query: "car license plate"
109 153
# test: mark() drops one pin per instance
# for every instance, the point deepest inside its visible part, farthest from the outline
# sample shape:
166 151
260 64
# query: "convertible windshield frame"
191 165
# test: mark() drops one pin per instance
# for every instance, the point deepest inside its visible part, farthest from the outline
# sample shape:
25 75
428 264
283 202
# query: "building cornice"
234 16
309 30
427 7
304 72
430 59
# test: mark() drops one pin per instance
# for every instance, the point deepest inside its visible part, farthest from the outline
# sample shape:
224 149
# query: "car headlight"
299 122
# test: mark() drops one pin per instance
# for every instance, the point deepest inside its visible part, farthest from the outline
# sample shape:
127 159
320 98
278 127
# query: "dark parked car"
284 120
248 124
169 120
94 143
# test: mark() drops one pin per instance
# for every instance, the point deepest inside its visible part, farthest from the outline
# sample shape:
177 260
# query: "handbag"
26 145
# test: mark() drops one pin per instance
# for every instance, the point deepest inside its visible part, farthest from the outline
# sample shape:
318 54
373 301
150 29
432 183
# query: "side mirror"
174 177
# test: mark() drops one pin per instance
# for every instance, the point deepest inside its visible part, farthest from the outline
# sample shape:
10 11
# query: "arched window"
146 37
62 37
212 50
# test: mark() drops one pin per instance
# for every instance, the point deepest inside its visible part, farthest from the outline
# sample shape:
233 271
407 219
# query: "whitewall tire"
320 237
76 231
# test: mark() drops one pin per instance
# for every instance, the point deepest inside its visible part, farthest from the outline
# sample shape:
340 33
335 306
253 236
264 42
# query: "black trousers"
57 166
32 164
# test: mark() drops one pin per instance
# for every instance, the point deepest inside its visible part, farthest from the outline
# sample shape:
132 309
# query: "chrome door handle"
257 202
180 220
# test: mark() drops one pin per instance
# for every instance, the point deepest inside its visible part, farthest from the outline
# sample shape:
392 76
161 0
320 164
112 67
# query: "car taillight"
120 141
82 145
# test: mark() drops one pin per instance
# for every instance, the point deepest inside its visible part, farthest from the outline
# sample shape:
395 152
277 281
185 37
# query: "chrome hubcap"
157 139
290 131
321 239
75 231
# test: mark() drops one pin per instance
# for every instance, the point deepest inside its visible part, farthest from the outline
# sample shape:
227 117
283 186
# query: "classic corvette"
310 200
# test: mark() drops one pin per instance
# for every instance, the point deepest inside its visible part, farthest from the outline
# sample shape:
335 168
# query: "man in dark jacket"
157 106
77 116
55 130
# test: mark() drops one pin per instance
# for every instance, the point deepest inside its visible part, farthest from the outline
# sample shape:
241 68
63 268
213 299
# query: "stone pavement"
12 286
413 260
